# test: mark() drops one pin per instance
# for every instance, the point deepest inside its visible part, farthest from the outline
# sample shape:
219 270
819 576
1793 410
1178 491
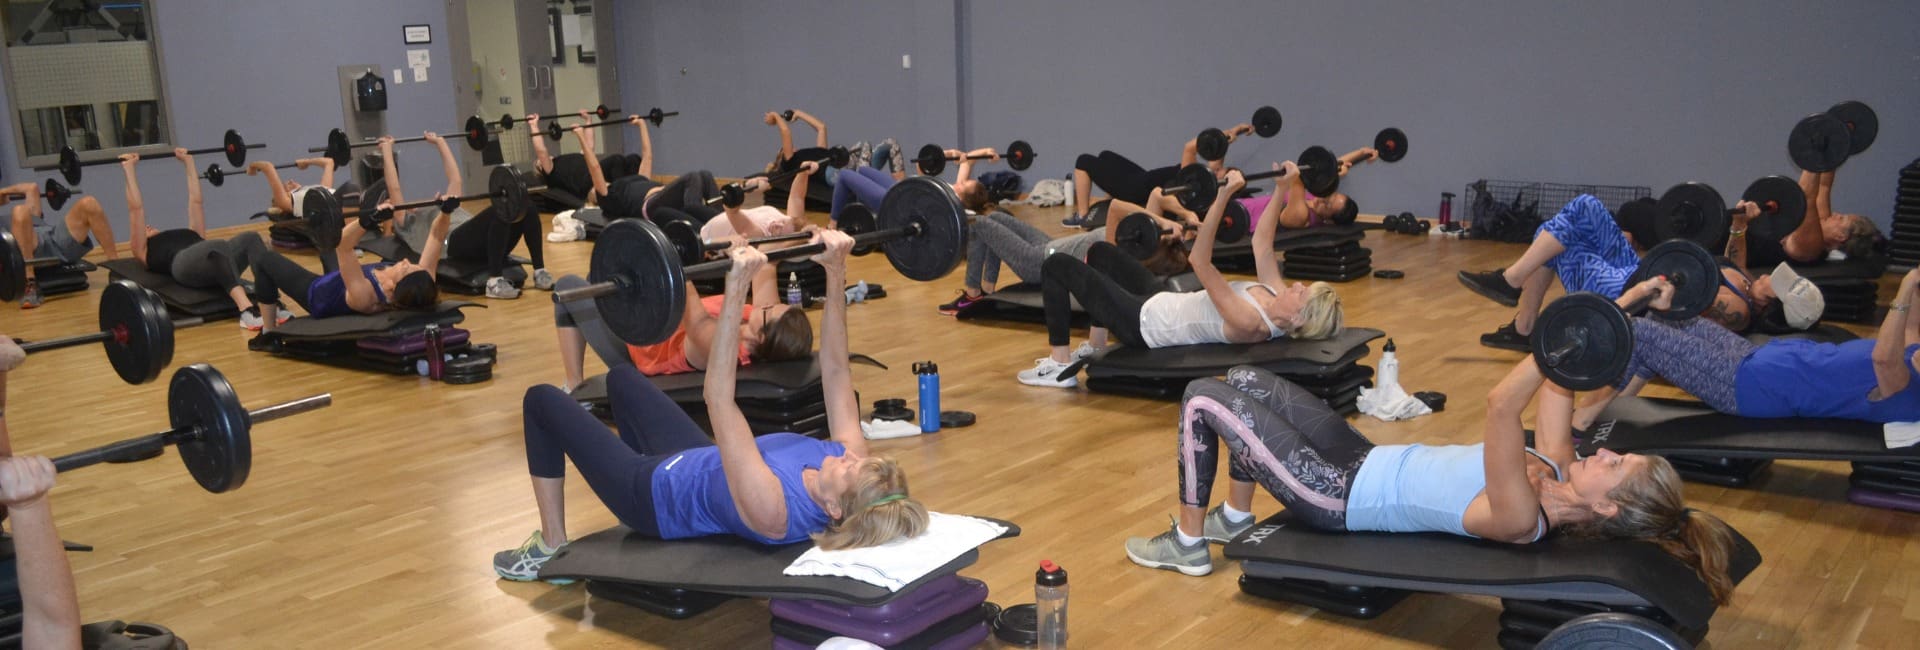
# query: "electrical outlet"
906 61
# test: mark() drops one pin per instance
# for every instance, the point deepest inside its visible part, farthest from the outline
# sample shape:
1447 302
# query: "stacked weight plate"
1905 250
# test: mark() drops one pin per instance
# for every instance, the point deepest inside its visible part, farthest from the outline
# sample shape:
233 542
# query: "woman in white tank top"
1123 297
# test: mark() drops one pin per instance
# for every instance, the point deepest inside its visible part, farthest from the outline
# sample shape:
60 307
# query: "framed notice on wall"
418 34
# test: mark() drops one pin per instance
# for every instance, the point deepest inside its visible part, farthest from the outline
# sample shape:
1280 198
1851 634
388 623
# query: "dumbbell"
231 144
1696 212
932 158
213 432
733 194
1407 224
639 282
1212 143
55 194
1195 185
321 209
341 151
135 331
1823 141
554 131
1584 341
508 121
1138 235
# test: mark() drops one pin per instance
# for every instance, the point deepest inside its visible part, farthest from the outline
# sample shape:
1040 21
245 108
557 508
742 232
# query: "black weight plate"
1782 204
463 379
1389 274
1319 170
70 164
338 148
856 218
553 130
509 191
1097 214
956 419
322 213
215 175
236 148
476 129
507 121
1199 187
1612 631
932 160
1819 143
139 333
1391 143
941 241
686 241
1597 335
1863 125
1266 121
1691 269
1690 211
650 284
838 157
216 444
1137 235
1211 144
13 268
370 198
1019 155
1235 224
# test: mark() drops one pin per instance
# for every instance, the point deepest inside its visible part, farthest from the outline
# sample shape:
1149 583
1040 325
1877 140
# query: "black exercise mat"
357 326
1284 356
1678 427
209 304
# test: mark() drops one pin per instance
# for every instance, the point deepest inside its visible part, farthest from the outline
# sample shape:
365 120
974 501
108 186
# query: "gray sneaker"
523 564
1164 551
1221 530
499 288
542 280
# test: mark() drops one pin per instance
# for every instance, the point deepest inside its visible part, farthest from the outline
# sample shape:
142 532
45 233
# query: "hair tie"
887 499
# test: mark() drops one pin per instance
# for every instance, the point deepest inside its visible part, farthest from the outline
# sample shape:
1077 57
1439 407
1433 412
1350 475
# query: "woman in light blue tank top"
1330 477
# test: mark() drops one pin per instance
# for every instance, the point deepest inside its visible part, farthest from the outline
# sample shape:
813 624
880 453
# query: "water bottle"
929 375
795 297
1389 366
435 364
1050 604
1070 196
1446 211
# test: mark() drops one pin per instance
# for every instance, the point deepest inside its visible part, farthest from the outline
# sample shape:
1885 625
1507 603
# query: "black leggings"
1278 435
485 239
686 195
275 274
1110 285
1121 178
620 470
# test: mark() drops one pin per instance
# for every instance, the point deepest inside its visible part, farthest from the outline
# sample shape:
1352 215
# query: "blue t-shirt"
1422 488
327 296
691 497
1801 378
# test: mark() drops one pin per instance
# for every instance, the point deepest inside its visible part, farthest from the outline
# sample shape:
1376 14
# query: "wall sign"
418 34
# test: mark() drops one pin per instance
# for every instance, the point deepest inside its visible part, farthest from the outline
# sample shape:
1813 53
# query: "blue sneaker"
1075 221
523 564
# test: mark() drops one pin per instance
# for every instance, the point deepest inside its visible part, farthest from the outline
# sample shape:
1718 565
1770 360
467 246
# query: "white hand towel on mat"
899 563
1902 434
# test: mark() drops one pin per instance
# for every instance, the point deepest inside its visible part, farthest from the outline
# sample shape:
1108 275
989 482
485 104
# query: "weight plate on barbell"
941 242
1819 143
236 148
215 443
1319 171
1863 125
1019 155
368 200
338 148
685 236
1782 205
1211 144
1636 218
1691 211
1391 143
645 269
476 129
838 157
1200 186
139 332
1597 335
69 164
932 160
1266 121
857 218
1235 223
321 211
1691 269
13 268
509 191
1137 235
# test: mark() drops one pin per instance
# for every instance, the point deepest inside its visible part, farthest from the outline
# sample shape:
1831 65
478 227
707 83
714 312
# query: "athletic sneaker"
250 319
1164 551
1507 337
1075 221
1493 285
31 298
960 303
1046 372
500 288
1085 350
1221 530
542 280
523 564
263 343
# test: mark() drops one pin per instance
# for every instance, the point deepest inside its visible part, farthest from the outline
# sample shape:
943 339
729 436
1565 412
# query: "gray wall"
268 70
1634 92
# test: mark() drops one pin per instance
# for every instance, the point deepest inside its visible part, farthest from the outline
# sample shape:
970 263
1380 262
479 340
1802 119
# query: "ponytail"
1705 543
1651 509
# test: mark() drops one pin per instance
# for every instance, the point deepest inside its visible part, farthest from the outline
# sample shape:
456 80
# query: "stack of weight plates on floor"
1523 623
1892 484
947 612
1850 300
1339 263
1905 249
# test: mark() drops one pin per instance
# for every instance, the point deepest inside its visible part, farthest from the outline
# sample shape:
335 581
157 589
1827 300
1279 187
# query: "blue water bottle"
929 395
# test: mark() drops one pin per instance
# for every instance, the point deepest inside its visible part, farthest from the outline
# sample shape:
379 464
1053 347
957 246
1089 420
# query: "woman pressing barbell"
1123 296
488 240
664 478
1001 237
568 171
869 185
185 254
288 197
373 289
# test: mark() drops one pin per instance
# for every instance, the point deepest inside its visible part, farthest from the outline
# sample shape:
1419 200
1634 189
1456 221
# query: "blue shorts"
1598 257
56 242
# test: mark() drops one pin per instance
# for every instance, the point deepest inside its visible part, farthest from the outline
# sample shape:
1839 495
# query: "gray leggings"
582 315
216 263
1699 356
1000 237
1276 434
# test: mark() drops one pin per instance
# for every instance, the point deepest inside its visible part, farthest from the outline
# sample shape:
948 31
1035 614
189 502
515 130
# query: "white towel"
899 563
1902 434
1391 403
888 429
566 228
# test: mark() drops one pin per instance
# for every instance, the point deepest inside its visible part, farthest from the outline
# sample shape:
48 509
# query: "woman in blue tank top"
662 477
362 288
1332 478
1866 379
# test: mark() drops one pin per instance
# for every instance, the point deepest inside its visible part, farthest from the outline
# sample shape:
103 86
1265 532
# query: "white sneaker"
1085 350
250 320
542 280
1046 372
502 289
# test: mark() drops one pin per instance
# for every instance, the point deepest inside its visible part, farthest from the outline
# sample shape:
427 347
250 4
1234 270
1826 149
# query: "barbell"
1138 235
639 283
1196 186
1212 143
508 121
217 175
325 217
55 194
734 194
134 330
933 158
1696 211
341 150
692 249
1822 141
234 146
656 116
213 432
1584 340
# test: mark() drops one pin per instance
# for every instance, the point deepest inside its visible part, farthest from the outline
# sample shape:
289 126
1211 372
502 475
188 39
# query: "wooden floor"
371 524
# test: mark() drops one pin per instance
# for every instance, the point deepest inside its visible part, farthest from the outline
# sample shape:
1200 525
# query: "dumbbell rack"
1904 251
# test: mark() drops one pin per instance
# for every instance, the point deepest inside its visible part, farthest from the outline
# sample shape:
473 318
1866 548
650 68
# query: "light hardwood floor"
371 524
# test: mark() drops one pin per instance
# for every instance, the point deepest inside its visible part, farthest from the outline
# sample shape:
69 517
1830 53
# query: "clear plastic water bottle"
1050 604
795 297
